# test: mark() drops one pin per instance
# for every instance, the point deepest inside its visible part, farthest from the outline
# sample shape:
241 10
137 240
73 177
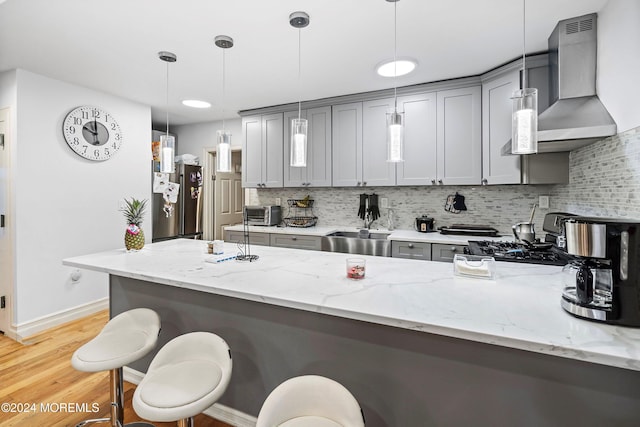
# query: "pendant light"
223 147
167 142
298 145
395 120
524 118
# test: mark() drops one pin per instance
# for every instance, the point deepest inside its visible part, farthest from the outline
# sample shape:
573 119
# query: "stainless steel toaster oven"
263 215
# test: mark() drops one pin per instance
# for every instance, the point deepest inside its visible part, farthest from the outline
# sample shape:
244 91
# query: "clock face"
92 133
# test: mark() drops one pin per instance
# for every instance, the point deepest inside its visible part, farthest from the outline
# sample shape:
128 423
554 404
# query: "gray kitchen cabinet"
376 170
496 129
262 147
346 137
317 173
442 252
459 139
420 135
296 241
411 250
261 239
497 89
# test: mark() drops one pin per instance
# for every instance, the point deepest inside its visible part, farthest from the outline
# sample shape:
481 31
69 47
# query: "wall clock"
92 133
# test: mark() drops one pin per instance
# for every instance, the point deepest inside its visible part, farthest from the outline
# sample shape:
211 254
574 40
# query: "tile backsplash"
604 181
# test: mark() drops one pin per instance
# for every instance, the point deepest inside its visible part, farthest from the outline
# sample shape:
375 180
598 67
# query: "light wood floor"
40 374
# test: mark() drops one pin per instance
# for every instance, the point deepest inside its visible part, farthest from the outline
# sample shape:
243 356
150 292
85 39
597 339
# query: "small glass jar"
355 268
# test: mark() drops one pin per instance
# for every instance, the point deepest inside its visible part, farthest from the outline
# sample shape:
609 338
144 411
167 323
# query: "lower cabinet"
425 251
412 250
296 241
261 239
440 252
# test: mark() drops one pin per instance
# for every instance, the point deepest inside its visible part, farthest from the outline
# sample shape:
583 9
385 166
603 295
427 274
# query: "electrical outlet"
278 201
543 202
384 202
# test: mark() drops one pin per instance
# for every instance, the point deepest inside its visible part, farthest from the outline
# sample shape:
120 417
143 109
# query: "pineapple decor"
134 212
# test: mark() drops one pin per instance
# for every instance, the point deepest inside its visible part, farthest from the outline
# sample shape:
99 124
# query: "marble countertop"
398 235
520 308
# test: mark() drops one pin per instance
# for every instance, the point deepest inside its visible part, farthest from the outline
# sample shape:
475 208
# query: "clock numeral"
114 146
77 121
106 151
96 153
84 149
117 137
72 130
85 115
96 114
76 141
113 126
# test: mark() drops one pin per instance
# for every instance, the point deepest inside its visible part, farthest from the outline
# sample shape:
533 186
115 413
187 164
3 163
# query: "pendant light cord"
223 86
395 59
167 98
524 32
299 73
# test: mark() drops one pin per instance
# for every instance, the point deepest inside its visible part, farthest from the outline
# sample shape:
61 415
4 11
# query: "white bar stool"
127 337
187 376
310 401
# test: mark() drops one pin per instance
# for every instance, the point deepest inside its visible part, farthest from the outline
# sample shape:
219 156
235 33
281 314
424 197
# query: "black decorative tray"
469 230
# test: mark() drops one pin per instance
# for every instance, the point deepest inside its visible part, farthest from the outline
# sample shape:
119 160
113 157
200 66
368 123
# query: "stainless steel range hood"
576 116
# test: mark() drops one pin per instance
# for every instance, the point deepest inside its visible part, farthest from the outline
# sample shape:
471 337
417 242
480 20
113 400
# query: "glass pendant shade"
299 143
524 128
223 151
167 153
395 136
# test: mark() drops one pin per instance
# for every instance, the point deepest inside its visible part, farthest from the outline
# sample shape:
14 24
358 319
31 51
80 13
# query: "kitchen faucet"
368 220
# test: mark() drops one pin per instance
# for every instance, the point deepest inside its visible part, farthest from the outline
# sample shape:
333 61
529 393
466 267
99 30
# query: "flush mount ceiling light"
167 142
298 145
524 118
395 120
194 103
223 147
396 68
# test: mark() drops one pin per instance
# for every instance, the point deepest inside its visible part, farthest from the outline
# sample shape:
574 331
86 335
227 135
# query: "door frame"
7 244
208 170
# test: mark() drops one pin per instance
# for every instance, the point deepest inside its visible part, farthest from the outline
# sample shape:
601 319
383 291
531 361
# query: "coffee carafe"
602 283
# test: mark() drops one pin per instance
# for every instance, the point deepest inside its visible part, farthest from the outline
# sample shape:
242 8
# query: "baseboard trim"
23 331
218 411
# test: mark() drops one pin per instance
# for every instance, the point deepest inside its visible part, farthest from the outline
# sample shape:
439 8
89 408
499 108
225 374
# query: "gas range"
519 252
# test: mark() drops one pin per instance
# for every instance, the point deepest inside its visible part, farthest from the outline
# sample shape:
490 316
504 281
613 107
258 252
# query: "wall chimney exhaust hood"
576 117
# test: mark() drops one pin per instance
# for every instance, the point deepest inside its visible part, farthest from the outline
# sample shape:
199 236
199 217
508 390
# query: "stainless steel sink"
360 242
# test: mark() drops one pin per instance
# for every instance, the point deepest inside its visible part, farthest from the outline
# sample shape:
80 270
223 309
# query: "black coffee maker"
603 281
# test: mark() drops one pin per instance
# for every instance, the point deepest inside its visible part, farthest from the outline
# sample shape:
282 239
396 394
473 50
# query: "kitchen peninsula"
415 345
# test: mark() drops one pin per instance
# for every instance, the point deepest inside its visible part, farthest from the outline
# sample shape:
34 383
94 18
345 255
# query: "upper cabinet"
420 135
497 89
347 144
262 146
459 136
496 129
317 173
376 170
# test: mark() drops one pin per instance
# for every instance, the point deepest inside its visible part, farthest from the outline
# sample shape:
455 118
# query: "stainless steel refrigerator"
184 217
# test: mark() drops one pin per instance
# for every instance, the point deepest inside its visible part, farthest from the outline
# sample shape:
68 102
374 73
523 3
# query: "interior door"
6 251
228 197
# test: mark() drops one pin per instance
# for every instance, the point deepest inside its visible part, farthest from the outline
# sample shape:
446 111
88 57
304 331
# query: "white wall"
619 61
193 138
67 205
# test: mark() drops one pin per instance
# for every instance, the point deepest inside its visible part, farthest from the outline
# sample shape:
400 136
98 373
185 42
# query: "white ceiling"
112 45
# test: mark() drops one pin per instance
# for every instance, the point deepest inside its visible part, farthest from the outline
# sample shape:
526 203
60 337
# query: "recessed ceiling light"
400 67
194 103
